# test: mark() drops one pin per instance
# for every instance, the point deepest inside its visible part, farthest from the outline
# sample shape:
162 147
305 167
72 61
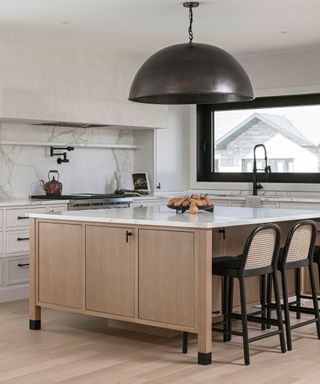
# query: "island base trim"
34 325
111 316
204 358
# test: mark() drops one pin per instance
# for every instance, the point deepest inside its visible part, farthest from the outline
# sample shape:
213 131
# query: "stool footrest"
308 297
251 339
263 336
293 308
255 319
303 323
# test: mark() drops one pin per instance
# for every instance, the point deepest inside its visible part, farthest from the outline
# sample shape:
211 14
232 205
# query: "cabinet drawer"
1 242
17 241
1 218
15 217
17 270
1 271
57 208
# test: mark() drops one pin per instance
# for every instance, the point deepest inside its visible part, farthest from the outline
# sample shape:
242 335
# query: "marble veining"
89 169
163 216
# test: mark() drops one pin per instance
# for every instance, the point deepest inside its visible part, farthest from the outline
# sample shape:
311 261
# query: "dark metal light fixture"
191 73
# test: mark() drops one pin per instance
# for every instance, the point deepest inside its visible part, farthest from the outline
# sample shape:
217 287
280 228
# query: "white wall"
282 73
51 79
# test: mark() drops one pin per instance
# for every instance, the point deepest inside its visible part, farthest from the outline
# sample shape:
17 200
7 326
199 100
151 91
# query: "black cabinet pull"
23 265
22 217
128 233
23 238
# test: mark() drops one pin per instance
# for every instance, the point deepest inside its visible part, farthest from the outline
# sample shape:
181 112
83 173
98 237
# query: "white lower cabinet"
14 248
17 241
16 217
1 242
17 270
1 272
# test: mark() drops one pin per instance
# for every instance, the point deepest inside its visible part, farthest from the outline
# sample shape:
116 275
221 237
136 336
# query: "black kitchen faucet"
266 169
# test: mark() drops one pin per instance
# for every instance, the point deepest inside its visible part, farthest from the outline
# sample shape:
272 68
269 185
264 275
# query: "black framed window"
288 126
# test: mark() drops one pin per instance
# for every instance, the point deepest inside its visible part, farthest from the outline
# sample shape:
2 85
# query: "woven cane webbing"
261 249
300 244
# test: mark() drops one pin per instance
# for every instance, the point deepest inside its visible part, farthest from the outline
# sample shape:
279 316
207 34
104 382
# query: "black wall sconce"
63 159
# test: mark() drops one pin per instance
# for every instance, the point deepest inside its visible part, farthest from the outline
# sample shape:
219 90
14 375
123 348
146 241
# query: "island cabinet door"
167 276
60 264
110 270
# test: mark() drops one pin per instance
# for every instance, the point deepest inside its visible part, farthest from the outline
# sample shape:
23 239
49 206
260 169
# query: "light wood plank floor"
73 348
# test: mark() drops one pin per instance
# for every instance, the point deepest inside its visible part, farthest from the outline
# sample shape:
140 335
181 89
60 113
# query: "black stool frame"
227 302
295 306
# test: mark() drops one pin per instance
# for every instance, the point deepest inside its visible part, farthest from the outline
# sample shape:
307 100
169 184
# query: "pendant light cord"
190 24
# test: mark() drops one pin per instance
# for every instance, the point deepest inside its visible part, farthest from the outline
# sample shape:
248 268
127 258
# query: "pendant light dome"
191 73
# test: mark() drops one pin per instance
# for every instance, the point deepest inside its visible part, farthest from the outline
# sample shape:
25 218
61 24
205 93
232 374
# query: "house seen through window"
288 126
291 136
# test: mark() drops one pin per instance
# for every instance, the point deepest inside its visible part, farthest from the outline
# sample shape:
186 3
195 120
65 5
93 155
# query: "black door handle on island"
23 238
23 265
22 217
128 233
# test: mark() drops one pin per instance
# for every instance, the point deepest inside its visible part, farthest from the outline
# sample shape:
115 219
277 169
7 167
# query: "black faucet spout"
267 169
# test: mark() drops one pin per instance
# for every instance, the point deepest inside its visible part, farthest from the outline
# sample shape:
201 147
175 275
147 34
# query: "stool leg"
318 264
298 291
244 319
279 313
269 296
185 342
286 309
263 300
230 307
225 308
314 298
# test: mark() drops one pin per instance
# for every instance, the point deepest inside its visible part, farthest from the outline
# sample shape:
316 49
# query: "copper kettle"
52 187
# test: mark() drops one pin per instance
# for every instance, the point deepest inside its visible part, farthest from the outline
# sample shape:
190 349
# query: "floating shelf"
57 144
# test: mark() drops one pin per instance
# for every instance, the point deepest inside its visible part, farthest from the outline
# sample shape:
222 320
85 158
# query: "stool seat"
226 262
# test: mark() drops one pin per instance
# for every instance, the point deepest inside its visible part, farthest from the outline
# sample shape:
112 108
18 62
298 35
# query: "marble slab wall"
89 170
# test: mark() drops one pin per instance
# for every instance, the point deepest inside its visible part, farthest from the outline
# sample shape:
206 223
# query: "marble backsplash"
89 170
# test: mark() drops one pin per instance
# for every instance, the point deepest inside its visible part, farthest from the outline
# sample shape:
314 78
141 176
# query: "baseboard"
14 292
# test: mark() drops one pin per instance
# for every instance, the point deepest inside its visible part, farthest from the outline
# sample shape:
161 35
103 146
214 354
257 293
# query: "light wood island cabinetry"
147 266
110 269
60 264
167 273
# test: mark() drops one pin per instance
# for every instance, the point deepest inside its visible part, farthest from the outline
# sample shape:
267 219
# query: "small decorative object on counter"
52 187
193 204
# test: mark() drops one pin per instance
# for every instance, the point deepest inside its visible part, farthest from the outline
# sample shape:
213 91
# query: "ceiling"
239 26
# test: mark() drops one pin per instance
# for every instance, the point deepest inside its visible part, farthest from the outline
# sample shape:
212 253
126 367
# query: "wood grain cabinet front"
60 264
167 276
110 270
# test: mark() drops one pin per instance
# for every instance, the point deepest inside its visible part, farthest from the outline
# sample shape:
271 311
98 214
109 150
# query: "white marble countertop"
163 216
26 201
236 197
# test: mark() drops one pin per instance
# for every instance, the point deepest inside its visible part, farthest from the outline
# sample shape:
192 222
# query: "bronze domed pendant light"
191 73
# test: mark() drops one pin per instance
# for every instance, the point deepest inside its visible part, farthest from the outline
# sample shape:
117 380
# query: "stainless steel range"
80 201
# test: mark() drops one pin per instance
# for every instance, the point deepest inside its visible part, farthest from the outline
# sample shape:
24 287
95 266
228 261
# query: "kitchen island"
148 265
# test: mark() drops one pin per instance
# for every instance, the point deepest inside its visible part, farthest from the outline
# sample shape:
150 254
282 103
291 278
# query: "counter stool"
259 258
297 253
299 295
